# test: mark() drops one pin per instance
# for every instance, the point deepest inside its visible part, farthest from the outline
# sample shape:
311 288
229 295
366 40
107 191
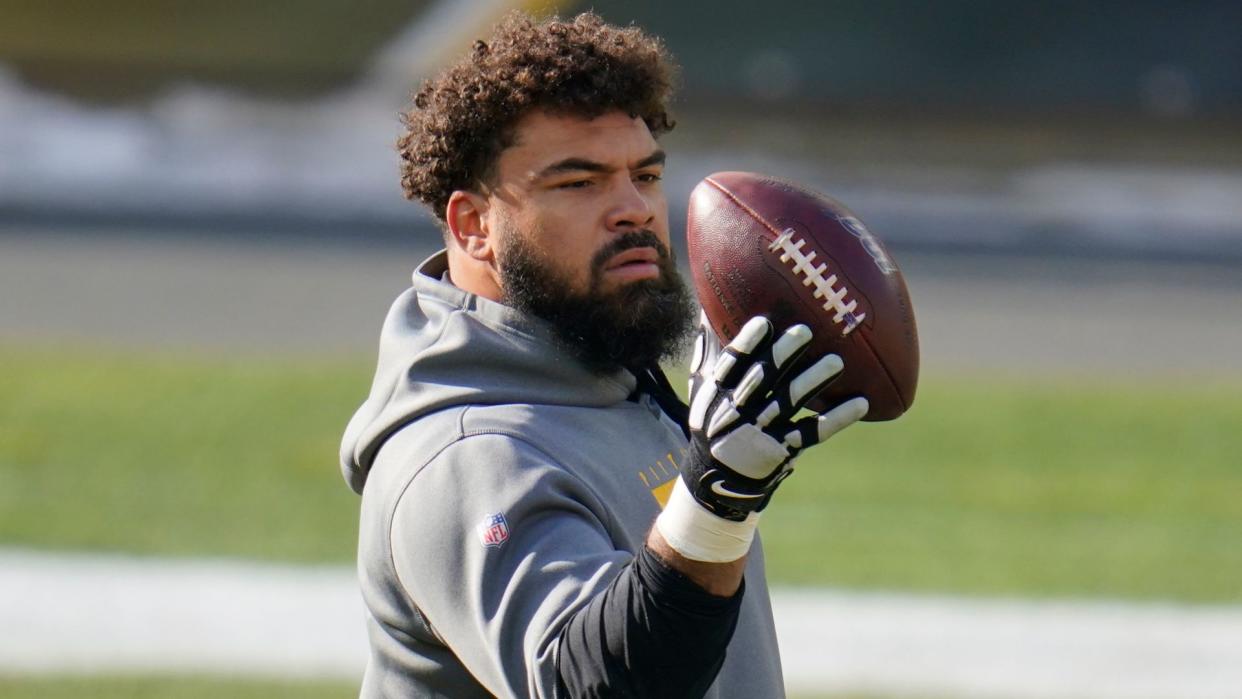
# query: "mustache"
634 239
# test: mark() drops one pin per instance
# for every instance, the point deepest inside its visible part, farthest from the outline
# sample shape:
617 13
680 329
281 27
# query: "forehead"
541 138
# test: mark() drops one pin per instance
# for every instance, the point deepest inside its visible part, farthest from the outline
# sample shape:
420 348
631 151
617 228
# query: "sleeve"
652 633
509 558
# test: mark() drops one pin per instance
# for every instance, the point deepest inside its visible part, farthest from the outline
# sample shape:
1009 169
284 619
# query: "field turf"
171 687
991 485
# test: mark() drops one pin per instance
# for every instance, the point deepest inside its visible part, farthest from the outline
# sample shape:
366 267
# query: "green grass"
173 687
176 455
1062 488
990 485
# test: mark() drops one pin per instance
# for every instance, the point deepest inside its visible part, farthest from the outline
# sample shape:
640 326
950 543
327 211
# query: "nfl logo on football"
494 530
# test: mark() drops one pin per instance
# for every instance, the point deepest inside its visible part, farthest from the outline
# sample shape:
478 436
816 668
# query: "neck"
473 275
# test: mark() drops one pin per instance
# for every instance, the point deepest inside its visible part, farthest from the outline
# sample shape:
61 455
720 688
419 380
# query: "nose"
632 209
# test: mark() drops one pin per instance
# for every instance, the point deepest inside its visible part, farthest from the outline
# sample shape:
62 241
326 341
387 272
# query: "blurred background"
201 230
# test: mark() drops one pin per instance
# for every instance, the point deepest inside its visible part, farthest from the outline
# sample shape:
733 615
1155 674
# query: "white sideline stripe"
960 647
93 613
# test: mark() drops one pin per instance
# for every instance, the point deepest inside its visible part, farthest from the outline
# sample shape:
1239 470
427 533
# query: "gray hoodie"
503 486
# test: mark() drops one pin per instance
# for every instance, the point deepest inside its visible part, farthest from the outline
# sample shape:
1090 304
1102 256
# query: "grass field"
991 485
181 687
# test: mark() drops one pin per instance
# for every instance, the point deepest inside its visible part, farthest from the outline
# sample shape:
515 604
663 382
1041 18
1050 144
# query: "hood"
442 347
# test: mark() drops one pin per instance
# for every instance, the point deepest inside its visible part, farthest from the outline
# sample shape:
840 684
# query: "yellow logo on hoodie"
661 476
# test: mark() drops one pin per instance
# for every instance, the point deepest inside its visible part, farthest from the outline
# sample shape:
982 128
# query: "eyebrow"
585 165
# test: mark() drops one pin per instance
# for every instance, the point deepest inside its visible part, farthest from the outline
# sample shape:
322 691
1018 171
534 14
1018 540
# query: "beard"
635 325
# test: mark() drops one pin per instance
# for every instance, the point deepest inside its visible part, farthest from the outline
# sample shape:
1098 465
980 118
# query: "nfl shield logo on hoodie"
494 530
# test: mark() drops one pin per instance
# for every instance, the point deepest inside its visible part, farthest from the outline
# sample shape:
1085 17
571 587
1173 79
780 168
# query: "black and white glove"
744 435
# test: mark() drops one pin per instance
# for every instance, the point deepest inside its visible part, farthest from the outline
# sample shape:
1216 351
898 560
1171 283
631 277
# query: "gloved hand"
743 401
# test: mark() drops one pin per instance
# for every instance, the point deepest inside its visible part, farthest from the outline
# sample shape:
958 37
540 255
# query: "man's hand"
743 400
744 436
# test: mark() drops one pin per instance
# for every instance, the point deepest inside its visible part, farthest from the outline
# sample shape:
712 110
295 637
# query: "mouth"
634 264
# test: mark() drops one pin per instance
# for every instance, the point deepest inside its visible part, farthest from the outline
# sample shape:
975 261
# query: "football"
760 245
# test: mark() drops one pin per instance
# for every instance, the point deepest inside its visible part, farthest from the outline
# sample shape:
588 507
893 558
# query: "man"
520 440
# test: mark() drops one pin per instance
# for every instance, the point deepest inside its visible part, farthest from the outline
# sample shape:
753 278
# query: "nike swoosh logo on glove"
719 488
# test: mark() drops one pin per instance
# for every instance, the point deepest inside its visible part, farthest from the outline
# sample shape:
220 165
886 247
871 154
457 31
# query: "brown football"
760 245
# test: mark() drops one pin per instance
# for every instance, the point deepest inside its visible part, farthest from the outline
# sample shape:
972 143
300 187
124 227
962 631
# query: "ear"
466 218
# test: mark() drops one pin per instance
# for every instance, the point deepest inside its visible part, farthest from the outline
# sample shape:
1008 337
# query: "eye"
575 184
649 177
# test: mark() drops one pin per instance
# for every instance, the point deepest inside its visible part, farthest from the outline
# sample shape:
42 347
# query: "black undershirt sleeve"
651 633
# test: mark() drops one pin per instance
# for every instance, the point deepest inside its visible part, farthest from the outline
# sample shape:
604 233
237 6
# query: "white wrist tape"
700 535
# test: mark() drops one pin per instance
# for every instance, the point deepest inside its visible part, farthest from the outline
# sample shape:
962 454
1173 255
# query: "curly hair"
462 119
